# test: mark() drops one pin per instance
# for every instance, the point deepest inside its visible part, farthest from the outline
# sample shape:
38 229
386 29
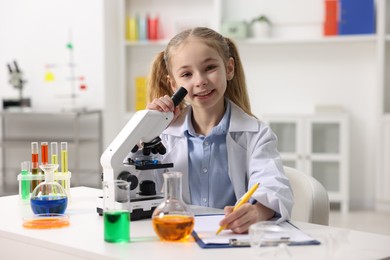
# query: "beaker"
172 219
49 197
116 211
269 240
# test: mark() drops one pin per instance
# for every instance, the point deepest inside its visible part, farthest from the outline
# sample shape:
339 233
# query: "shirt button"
206 143
204 170
204 200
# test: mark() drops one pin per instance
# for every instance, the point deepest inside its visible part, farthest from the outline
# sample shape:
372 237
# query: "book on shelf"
356 17
331 17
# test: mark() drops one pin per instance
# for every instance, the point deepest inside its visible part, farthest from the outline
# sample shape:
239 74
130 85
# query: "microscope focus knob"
147 187
127 176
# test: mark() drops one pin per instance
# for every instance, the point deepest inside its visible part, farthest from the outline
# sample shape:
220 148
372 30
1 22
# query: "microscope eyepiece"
179 95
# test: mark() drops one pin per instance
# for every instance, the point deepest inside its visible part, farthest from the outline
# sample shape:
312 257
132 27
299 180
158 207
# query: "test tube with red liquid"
34 163
44 153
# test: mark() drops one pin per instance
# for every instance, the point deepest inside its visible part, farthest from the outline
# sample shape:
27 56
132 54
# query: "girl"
220 147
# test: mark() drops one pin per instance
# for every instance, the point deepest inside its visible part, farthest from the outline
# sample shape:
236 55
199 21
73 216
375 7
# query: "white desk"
83 239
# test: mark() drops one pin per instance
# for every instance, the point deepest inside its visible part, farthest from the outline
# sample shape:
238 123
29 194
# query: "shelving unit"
318 145
383 53
82 130
136 56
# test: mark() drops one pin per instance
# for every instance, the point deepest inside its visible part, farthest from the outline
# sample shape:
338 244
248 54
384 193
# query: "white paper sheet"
207 226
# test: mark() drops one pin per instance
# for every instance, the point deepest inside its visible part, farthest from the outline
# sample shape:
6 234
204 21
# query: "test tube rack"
58 176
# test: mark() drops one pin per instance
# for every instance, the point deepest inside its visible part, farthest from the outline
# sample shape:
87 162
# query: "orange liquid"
45 154
34 169
173 228
46 223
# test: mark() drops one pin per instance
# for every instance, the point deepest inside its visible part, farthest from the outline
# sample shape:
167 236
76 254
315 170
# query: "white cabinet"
318 145
383 180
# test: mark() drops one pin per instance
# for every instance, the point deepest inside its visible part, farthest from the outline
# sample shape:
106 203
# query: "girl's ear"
230 69
172 83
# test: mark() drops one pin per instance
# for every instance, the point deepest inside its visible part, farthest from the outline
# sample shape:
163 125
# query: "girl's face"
201 70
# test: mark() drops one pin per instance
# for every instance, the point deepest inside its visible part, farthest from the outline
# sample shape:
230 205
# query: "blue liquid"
49 204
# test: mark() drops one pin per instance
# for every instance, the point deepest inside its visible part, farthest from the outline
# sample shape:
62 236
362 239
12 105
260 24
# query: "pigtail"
236 88
158 84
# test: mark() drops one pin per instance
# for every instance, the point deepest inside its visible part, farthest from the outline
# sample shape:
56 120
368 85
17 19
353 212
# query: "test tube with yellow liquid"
64 162
54 153
54 156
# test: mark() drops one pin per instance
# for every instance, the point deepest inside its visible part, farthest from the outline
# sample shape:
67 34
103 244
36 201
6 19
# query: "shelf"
23 140
314 40
146 43
325 157
268 41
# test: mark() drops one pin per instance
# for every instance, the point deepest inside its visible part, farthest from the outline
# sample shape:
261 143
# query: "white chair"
311 199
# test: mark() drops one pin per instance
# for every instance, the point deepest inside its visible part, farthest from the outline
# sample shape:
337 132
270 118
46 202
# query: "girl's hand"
164 104
246 215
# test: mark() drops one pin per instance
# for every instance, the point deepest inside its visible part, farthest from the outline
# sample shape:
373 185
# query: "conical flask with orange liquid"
172 219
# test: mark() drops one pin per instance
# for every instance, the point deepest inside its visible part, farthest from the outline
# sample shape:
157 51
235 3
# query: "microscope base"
139 208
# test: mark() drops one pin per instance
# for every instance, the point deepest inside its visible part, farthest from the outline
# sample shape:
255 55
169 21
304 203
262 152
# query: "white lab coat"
252 157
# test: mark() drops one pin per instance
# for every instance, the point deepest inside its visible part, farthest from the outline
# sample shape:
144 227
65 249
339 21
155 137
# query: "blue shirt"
209 182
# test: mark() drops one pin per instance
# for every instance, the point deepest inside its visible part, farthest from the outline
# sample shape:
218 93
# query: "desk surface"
83 239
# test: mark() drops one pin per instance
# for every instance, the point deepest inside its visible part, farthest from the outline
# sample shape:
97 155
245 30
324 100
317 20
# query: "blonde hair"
236 91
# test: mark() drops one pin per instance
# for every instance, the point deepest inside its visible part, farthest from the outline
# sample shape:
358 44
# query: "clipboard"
206 226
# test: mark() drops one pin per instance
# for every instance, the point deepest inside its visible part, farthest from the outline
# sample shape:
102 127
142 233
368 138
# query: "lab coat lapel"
237 144
236 162
180 148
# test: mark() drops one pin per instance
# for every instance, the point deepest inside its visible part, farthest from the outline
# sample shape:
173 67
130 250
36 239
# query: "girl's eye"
210 67
185 74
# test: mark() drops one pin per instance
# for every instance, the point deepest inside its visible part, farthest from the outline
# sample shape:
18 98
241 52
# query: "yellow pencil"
244 199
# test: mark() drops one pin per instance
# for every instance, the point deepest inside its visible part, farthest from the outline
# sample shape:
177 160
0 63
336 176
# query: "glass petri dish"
46 221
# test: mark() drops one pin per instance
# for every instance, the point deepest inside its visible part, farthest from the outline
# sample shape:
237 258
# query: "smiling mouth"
204 94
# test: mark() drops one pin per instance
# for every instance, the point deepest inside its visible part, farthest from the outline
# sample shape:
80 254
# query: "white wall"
295 78
35 33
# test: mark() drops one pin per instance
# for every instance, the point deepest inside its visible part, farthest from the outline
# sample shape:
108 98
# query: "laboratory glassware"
49 197
34 163
269 240
116 211
54 153
25 184
46 221
44 152
64 161
172 219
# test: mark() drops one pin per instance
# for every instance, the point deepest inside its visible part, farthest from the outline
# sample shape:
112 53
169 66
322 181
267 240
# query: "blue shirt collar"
220 129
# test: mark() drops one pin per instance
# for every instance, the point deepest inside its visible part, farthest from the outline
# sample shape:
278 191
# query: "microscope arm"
143 127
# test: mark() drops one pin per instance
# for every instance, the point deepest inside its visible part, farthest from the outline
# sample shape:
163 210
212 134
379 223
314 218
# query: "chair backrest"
311 201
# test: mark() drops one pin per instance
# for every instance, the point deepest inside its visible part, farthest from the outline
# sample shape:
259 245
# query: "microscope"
139 167
17 81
